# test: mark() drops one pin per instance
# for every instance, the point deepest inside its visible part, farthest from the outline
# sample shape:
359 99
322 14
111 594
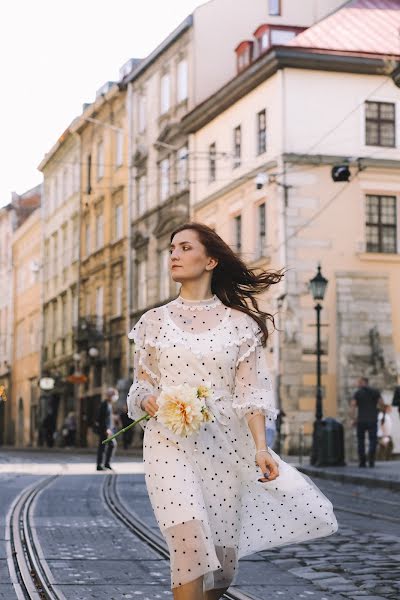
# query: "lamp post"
318 286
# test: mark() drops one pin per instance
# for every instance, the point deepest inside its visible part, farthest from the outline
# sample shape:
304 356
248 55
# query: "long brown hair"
232 281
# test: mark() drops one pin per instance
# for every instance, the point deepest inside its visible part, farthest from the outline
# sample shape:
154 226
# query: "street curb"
136 452
349 478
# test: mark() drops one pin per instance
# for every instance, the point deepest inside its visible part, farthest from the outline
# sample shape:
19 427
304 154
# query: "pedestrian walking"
69 429
385 441
396 397
220 493
364 408
125 421
105 428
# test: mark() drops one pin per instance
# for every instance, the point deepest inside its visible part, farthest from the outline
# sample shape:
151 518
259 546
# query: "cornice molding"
332 159
267 65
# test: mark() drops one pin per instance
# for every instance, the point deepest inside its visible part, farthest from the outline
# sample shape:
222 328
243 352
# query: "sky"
54 55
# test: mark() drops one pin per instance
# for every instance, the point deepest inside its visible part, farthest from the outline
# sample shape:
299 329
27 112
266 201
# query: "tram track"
357 497
133 523
30 575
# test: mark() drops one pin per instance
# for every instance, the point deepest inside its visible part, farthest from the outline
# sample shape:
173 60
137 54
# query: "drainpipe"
77 387
283 257
129 112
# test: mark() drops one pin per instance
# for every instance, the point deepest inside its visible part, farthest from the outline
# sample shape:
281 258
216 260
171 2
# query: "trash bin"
329 443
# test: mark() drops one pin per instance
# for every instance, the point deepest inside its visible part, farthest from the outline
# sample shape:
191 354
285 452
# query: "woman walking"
220 494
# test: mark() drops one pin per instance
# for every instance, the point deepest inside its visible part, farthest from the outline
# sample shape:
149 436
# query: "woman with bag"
221 493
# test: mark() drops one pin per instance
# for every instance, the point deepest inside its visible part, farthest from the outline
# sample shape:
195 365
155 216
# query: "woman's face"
188 257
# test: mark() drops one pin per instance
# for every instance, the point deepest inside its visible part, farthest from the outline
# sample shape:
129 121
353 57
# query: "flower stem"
144 418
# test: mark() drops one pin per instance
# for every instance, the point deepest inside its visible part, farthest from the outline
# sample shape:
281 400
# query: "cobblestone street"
90 554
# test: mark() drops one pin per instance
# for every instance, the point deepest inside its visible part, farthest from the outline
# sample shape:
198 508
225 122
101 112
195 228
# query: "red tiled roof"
370 26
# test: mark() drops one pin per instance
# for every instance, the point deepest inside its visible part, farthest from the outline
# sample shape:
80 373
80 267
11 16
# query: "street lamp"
318 286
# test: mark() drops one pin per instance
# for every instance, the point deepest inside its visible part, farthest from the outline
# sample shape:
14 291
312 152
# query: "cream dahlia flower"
181 409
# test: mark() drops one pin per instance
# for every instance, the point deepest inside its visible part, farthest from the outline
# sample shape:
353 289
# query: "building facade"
270 139
60 274
12 217
162 89
102 327
6 318
27 256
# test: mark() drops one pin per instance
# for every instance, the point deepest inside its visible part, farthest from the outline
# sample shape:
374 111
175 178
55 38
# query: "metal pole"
315 452
318 411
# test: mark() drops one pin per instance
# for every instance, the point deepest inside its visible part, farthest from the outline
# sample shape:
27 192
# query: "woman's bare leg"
190 591
214 594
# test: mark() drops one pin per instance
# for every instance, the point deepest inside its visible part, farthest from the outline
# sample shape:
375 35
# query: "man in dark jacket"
105 429
367 401
396 397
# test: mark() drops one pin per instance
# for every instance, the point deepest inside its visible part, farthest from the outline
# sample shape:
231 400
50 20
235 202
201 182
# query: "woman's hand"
150 405
268 466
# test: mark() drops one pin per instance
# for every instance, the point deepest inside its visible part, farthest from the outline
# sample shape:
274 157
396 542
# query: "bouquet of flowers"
181 408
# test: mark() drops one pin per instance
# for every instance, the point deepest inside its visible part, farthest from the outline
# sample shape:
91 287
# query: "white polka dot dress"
203 488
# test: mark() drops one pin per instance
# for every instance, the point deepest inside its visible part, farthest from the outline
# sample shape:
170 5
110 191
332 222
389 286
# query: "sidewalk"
384 474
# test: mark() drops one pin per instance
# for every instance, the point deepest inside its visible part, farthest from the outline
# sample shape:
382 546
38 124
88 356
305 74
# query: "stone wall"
364 338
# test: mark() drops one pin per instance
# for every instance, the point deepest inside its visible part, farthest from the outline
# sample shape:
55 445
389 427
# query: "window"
99 308
381 220
261 132
46 260
55 193
75 238
261 230
212 162
182 80
76 175
281 36
263 41
141 195
380 124
237 146
238 232
100 160
55 254
32 337
74 307
182 169
141 113
164 179
244 57
118 297
119 148
118 222
142 284
60 189
165 93
88 302
65 248
64 317
64 186
274 8
89 174
99 231
164 274
87 239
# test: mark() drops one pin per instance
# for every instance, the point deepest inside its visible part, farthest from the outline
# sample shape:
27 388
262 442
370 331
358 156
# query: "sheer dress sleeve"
145 367
253 387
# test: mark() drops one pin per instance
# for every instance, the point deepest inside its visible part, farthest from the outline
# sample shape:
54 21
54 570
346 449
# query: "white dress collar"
206 304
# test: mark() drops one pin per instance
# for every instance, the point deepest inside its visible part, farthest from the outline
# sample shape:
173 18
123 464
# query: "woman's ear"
212 263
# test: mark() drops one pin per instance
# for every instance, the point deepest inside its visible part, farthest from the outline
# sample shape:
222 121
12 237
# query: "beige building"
6 231
26 252
60 273
101 335
12 217
262 151
193 62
